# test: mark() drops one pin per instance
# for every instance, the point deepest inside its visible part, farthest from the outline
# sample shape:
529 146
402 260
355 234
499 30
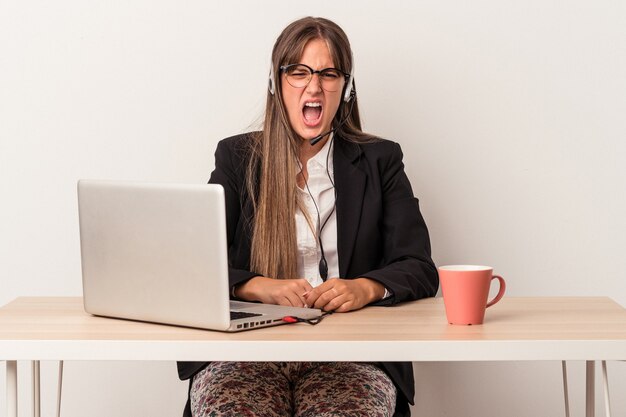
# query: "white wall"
510 114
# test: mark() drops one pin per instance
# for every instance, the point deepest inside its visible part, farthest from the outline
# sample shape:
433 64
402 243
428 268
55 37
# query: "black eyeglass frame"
285 68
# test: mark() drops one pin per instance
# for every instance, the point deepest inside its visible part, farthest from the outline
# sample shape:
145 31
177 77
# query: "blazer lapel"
350 184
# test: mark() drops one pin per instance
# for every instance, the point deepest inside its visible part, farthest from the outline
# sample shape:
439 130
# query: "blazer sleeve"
229 172
407 270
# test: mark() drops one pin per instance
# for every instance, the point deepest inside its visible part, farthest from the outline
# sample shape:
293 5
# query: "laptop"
158 252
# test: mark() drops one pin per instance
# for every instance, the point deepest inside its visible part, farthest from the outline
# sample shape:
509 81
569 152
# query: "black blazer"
380 232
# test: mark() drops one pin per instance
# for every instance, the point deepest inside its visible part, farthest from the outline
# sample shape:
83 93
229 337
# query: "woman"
319 214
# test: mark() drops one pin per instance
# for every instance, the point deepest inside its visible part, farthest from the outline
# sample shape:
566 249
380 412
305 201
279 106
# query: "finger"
338 302
347 306
299 287
326 297
322 294
312 297
305 286
283 301
313 294
295 299
287 293
302 290
290 302
305 297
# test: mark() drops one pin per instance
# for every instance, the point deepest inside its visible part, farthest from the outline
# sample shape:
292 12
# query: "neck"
307 151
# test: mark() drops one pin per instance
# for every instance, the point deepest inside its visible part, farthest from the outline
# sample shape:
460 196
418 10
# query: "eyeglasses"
300 75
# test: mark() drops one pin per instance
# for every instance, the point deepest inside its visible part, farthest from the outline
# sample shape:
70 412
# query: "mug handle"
500 292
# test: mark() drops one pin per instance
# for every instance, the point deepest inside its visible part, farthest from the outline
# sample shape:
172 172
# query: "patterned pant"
285 389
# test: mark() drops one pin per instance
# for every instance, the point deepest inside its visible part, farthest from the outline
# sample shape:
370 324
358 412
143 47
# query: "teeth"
312 104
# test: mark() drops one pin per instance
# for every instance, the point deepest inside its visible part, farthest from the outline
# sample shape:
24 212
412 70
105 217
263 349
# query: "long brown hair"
273 163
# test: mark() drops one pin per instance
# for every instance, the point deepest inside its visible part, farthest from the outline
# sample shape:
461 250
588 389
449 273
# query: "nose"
315 84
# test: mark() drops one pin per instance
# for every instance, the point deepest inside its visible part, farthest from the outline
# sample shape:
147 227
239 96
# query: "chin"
308 134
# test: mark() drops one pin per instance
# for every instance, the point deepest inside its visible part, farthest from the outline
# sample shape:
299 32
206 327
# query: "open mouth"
312 113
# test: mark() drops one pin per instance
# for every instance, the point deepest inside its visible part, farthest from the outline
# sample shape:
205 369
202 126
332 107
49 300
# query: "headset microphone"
317 138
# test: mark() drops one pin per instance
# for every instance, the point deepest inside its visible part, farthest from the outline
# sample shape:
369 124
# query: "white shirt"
322 192
320 184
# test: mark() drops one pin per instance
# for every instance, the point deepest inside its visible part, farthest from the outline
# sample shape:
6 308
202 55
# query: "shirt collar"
325 155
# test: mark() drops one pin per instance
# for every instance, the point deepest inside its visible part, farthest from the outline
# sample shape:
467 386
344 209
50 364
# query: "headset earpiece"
270 84
349 90
350 93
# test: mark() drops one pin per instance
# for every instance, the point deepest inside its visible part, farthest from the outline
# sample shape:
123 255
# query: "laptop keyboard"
235 315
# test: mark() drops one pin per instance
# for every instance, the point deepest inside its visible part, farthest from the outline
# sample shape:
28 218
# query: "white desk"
517 329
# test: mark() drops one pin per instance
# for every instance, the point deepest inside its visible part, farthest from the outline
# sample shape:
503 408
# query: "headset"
347 97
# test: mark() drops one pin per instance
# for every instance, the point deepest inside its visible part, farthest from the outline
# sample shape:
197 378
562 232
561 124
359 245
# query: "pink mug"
465 290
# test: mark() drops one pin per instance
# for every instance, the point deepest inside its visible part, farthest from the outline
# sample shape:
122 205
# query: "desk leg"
565 389
36 389
59 388
11 388
591 389
607 397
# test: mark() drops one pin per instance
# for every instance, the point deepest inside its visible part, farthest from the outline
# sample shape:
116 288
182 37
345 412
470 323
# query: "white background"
511 115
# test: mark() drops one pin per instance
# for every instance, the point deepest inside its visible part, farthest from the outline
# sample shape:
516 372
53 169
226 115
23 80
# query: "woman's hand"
342 295
285 292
